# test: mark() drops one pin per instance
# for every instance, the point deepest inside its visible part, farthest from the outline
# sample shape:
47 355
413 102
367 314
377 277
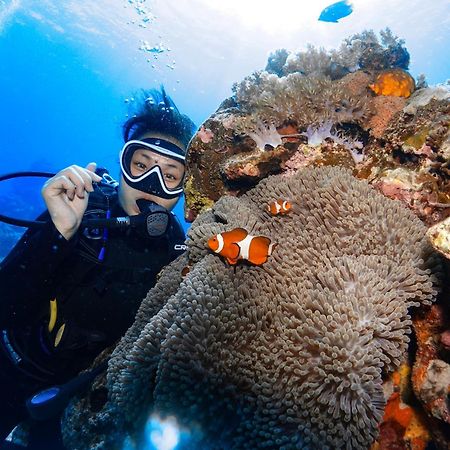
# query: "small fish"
279 207
336 11
238 244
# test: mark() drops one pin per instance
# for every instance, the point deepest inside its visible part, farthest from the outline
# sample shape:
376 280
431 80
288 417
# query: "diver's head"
152 168
153 158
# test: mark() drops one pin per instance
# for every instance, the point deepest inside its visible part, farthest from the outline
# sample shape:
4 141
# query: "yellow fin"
59 334
53 315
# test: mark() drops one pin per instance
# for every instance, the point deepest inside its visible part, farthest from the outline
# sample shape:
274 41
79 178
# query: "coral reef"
360 51
402 425
287 355
365 51
263 125
431 373
384 107
263 128
278 124
439 236
323 109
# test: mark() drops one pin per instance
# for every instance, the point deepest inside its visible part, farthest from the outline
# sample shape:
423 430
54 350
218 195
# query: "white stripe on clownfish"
221 243
244 246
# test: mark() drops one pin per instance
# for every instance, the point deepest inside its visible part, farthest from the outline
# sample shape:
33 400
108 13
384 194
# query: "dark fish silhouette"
336 11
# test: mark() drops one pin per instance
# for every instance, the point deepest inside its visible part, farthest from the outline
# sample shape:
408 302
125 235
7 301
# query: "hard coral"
385 108
288 355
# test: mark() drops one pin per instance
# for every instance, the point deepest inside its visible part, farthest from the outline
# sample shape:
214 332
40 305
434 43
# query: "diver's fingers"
58 185
87 176
63 184
76 177
90 168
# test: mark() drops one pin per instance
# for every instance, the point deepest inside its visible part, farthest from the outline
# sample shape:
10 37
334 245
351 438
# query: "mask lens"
142 161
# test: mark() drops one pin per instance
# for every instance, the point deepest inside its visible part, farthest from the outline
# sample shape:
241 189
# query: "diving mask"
154 166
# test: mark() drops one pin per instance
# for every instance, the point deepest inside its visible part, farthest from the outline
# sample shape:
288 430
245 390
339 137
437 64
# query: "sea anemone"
288 355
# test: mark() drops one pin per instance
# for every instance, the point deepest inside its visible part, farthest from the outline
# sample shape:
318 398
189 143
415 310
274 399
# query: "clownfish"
279 207
238 244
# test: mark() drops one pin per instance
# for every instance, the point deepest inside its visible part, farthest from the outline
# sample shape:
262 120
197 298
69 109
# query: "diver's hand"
66 196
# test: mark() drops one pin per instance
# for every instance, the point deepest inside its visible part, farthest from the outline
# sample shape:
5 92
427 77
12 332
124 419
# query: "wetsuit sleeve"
26 274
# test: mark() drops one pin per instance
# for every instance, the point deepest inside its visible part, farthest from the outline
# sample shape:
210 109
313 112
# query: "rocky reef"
314 348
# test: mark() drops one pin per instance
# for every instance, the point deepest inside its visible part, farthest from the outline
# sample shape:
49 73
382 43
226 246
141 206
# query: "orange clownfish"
238 244
279 207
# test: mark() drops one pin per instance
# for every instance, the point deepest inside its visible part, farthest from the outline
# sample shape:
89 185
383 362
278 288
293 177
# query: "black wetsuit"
95 301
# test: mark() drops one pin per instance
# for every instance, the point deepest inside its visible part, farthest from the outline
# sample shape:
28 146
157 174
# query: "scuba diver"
71 286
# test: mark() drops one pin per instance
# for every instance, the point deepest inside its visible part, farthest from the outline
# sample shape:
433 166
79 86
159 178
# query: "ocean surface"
70 69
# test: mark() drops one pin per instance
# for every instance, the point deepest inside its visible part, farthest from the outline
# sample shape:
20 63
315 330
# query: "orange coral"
402 426
393 82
